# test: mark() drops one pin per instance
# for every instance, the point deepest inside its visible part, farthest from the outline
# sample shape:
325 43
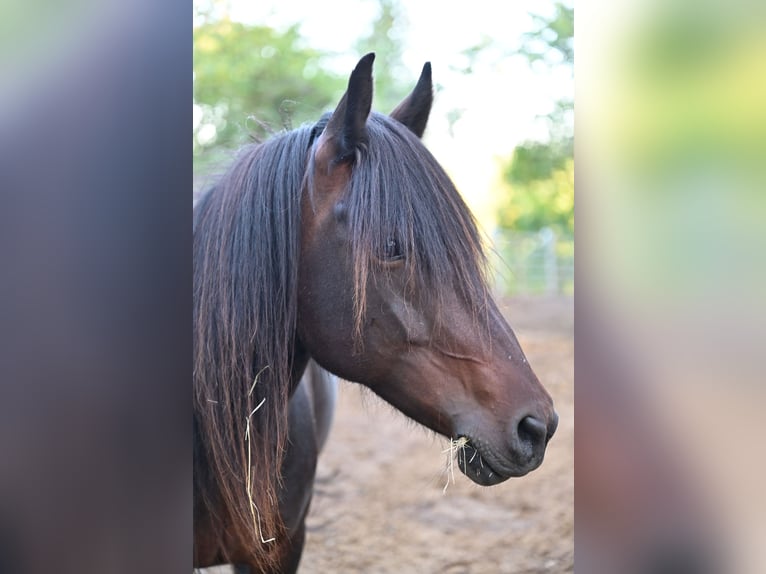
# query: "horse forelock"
246 244
398 191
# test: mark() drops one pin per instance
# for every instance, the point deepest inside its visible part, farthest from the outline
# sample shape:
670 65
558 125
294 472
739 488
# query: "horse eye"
340 211
392 250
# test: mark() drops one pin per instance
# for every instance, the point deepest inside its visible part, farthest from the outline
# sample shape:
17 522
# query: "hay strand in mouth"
456 447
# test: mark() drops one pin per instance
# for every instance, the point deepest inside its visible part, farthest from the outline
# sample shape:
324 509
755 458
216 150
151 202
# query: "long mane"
246 253
246 248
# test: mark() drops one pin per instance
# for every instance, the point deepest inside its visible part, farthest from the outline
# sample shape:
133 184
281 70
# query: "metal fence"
533 263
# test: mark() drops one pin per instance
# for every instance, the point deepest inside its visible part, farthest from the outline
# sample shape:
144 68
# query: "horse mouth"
485 470
475 466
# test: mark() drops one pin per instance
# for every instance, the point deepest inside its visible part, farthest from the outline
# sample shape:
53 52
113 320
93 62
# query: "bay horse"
342 244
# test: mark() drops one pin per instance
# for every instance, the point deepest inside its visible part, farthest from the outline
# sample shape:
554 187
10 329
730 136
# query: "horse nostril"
532 431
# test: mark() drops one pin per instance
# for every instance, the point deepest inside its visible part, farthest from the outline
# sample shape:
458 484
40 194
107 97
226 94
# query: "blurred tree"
254 79
392 80
543 202
540 174
552 41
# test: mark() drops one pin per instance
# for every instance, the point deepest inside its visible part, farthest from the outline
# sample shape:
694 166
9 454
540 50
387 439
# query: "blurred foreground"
671 237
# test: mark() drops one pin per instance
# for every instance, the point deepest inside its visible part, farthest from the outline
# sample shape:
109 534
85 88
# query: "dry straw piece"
456 446
249 485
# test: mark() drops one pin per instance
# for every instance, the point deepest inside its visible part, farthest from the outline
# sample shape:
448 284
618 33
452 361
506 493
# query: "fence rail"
533 263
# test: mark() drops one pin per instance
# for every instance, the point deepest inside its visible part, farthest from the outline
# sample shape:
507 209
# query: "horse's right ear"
347 128
414 110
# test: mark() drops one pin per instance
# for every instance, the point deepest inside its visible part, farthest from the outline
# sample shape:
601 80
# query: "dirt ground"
379 505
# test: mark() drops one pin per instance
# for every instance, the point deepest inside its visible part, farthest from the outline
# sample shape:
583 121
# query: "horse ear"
414 109
347 127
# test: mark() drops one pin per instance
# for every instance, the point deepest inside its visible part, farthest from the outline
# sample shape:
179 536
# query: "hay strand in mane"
246 244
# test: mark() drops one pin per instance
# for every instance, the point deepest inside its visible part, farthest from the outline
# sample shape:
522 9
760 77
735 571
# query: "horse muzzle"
486 464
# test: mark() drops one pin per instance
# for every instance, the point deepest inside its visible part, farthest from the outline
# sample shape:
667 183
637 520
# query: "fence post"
550 262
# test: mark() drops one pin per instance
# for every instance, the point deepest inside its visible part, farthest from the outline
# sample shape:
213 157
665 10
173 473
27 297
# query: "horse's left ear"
347 128
414 109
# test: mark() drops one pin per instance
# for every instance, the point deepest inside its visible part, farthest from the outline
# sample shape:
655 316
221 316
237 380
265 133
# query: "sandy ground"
379 505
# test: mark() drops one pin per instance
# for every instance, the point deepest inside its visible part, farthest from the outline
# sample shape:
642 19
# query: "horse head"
392 289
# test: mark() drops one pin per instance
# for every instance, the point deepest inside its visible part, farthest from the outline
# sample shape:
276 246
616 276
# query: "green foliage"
255 72
542 202
534 161
540 174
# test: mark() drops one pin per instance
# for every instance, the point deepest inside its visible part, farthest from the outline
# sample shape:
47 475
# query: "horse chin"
482 472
